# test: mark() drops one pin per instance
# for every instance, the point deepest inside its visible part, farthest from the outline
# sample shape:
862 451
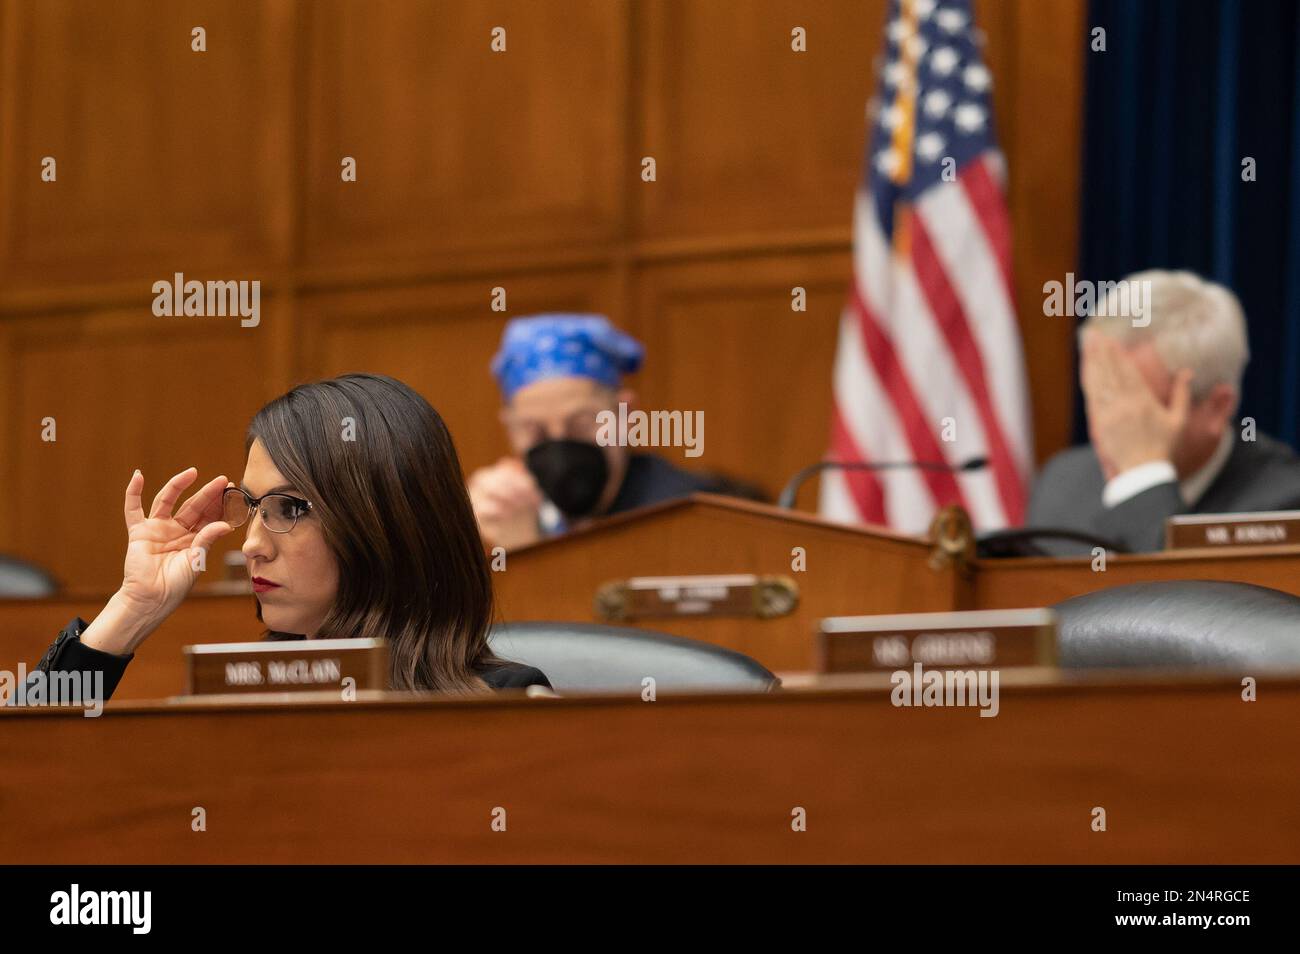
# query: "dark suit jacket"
1258 475
69 654
650 479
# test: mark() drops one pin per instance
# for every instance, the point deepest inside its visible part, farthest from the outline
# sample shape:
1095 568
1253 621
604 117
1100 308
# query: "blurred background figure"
557 373
1161 398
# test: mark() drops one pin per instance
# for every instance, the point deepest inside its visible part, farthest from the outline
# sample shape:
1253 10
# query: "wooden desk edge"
1157 557
799 688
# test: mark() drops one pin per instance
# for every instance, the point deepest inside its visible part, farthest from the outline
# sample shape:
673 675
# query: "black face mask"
572 474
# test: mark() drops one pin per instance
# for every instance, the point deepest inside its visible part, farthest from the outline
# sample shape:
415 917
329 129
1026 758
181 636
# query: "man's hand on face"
1128 424
505 498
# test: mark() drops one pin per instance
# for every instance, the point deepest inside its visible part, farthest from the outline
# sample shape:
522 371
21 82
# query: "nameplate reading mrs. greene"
964 640
307 665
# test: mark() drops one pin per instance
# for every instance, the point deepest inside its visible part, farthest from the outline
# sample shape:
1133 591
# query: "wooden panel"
27 627
721 338
125 391
686 779
746 133
457 146
168 159
476 169
439 339
843 571
1042 581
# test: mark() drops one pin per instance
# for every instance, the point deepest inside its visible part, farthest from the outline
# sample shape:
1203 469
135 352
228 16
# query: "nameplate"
1273 528
980 639
305 665
740 594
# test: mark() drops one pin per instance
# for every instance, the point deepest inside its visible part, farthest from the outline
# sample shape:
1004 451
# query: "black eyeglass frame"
302 507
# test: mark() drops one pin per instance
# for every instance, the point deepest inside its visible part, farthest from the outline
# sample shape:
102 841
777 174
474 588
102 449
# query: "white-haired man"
1161 390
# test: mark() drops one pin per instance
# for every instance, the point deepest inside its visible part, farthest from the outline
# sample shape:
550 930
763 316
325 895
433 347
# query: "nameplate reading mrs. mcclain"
306 665
966 640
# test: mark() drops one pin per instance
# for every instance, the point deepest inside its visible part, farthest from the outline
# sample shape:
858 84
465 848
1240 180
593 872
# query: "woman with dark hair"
358 525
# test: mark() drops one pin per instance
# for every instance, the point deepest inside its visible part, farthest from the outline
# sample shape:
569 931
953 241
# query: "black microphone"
786 500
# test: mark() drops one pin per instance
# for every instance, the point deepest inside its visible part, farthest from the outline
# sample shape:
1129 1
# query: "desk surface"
1186 771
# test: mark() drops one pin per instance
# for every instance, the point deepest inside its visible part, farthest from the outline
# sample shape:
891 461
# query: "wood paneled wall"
476 169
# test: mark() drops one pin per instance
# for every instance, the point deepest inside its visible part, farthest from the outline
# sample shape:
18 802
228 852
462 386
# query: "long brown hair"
382 474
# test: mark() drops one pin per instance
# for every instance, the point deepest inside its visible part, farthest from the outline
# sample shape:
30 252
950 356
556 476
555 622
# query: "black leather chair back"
1181 624
22 580
589 657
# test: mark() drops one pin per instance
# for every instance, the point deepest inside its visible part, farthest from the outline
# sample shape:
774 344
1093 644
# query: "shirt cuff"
69 654
1135 480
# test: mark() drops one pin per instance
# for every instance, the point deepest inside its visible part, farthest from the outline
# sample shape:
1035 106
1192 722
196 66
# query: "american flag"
929 365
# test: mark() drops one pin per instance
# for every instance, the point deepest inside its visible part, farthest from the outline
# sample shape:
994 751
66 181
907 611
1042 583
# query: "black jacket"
650 480
69 654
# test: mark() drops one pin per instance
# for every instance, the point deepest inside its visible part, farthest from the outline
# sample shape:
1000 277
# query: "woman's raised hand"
166 552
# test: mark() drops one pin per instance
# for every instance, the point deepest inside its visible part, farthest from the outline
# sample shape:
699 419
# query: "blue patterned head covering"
553 346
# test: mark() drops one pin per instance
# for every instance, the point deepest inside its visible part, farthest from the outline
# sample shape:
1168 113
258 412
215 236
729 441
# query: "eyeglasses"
280 512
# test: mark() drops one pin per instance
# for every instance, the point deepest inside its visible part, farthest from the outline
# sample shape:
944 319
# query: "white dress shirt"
1143 477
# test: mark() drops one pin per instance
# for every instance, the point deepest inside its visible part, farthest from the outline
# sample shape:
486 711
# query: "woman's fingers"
204 504
210 534
134 512
171 492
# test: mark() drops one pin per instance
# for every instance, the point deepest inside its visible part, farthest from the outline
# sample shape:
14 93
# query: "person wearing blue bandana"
557 373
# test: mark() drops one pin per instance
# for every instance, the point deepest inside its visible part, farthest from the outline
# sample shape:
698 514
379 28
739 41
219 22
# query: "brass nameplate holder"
305 665
741 594
982 639
1265 529
952 540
